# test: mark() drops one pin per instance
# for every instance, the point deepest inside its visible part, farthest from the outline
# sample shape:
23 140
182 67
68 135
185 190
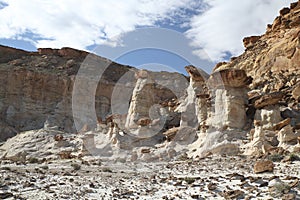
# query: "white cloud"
222 27
219 28
80 23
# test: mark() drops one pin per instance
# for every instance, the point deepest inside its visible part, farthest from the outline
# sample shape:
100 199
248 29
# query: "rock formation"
194 106
144 119
248 105
287 137
229 90
40 93
269 73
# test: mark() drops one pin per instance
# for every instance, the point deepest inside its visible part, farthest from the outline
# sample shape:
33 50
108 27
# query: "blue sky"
163 35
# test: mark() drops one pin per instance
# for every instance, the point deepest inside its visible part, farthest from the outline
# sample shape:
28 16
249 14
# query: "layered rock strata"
194 107
229 90
249 105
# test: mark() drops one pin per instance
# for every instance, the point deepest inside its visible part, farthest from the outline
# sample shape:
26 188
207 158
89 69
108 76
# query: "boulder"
145 121
287 137
250 41
284 11
269 116
58 137
171 133
282 124
196 74
263 166
268 99
296 92
141 74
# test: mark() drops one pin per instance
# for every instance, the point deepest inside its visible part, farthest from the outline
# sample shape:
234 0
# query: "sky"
153 34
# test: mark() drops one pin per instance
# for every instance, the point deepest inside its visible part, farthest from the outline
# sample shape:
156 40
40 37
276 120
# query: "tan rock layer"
274 53
268 99
229 77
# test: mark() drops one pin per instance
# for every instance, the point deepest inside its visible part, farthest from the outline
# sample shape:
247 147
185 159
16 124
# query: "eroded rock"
194 107
287 137
263 166
250 41
229 78
267 100
230 98
269 116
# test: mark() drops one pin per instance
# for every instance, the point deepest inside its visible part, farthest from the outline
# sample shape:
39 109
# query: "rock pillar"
229 91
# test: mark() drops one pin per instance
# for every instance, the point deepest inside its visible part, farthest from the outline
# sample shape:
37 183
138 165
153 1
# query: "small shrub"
294 157
45 167
279 189
6 168
76 166
275 157
106 169
33 160
183 157
189 180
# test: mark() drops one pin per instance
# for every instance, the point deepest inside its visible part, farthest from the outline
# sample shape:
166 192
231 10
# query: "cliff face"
272 59
36 88
272 104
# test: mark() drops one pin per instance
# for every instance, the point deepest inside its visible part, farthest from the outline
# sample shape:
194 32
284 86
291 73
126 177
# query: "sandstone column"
143 119
194 108
229 89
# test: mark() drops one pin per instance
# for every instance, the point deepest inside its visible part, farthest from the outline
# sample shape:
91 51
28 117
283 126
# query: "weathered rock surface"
263 166
259 144
269 116
287 137
269 72
248 107
145 119
194 107
272 58
229 91
250 41
68 104
37 89
229 78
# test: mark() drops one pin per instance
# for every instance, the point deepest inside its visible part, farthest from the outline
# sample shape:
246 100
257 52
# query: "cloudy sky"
213 29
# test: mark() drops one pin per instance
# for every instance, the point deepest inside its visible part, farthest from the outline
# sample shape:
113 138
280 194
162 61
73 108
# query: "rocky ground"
165 134
214 177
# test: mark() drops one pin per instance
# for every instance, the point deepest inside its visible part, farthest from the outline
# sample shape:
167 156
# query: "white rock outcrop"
287 137
194 107
229 97
145 118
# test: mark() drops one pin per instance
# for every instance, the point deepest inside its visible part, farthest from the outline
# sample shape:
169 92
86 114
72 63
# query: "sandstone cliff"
36 88
255 97
79 104
272 59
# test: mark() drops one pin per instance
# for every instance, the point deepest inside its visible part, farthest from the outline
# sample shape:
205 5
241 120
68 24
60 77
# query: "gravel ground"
210 178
